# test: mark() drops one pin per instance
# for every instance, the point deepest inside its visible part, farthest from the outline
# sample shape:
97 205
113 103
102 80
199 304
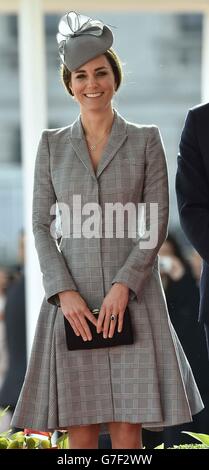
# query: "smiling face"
93 84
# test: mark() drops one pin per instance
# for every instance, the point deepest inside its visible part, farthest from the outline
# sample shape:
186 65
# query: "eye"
102 72
80 76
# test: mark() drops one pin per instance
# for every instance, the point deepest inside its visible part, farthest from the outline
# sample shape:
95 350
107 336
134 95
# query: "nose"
92 81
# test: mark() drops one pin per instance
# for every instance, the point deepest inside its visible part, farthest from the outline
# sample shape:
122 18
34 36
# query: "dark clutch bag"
76 342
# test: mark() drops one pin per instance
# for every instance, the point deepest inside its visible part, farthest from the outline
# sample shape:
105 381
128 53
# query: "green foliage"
161 446
45 444
32 442
204 438
62 441
3 411
4 443
189 446
21 441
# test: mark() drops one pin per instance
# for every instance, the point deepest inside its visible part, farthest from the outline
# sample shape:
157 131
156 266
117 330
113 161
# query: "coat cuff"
134 282
52 291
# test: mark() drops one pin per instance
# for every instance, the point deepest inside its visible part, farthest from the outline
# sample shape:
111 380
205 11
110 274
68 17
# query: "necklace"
93 147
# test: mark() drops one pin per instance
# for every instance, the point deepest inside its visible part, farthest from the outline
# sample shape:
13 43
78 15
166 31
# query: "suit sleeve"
140 262
56 275
192 189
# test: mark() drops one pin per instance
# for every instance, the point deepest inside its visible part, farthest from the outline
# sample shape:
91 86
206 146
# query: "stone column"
32 64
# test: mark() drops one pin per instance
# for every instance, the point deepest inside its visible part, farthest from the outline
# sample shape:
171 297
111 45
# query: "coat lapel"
78 142
117 137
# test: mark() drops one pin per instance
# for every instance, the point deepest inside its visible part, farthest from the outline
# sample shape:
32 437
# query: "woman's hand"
172 266
114 304
74 308
177 270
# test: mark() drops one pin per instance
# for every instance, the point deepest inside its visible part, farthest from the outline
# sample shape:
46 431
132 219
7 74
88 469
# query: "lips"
93 95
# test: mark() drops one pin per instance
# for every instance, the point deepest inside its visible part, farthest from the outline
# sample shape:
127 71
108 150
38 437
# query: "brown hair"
113 60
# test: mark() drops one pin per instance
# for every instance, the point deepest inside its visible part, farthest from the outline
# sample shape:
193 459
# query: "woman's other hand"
177 269
75 309
114 304
172 266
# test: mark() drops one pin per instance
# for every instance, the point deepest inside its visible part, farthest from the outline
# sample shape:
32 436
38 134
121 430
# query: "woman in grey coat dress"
99 160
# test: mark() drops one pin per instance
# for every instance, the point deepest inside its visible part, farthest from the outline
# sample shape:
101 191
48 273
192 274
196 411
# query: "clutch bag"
124 338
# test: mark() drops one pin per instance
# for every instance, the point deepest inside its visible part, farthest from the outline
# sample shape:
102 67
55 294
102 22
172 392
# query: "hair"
114 62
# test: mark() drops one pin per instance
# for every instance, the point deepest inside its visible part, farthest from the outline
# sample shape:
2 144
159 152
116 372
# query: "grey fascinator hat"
81 39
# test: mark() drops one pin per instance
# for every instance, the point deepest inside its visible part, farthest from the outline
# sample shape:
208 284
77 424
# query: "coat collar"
117 137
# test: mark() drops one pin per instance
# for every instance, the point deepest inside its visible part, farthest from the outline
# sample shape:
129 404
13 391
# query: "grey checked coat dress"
149 382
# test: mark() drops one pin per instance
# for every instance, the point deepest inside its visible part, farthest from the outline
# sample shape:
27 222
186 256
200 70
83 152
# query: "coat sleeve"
192 189
56 275
140 262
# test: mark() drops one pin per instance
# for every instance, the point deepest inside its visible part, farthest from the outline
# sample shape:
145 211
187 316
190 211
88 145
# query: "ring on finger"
113 317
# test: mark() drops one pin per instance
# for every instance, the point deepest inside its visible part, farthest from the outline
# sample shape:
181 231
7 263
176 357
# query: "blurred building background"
161 54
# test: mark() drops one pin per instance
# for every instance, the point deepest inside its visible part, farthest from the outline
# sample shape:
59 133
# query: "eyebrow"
96 70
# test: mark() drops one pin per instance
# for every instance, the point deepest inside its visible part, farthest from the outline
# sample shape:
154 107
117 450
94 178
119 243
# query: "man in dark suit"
192 187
